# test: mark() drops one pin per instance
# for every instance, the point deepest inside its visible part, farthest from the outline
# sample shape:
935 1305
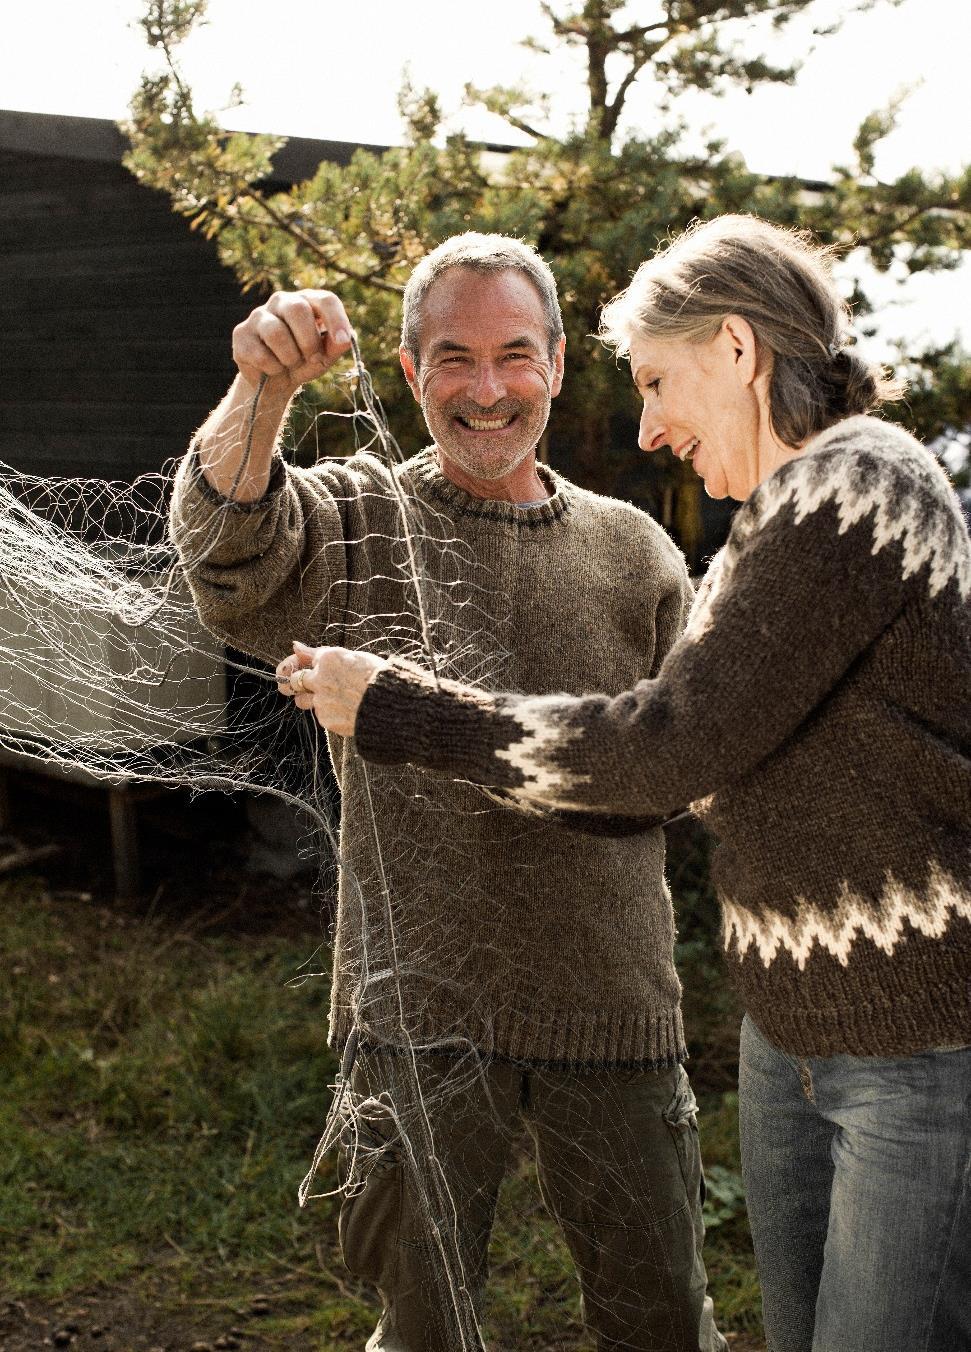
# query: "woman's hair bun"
857 385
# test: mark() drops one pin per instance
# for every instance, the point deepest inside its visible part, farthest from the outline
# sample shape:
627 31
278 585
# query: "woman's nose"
651 432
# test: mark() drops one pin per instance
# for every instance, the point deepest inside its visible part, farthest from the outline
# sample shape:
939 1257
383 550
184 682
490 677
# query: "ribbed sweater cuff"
197 482
400 709
555 1038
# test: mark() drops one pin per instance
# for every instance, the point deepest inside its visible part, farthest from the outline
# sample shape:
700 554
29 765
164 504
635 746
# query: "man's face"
485 378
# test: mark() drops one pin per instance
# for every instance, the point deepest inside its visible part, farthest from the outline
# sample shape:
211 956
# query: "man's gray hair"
480 253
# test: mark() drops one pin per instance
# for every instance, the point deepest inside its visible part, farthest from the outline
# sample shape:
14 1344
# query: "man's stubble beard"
532 420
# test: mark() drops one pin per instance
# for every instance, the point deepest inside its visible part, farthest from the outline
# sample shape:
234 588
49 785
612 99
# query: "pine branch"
284 223
524 127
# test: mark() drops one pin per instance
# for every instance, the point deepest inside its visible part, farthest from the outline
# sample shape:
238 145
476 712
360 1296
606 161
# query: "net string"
46 566
435 1194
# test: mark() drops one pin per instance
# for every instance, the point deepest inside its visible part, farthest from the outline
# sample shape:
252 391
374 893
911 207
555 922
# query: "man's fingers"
251 354
275 335
296 312
298 334
331 322
330 314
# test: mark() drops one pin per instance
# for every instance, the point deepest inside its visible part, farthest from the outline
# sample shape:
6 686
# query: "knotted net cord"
111 673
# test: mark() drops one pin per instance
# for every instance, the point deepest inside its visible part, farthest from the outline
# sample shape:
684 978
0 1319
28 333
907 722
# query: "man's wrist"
273 394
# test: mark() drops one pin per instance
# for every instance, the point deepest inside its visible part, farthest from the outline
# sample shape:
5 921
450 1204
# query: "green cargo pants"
422 1159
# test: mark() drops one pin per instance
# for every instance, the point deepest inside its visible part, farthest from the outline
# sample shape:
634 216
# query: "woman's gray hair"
780 282
480 253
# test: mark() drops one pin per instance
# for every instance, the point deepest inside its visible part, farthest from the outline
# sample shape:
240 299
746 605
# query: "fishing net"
110 673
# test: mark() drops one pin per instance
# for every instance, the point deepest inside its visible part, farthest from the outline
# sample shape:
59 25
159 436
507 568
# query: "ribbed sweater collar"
424 472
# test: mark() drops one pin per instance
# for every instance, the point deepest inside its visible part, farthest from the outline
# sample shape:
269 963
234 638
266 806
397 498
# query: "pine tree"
595 204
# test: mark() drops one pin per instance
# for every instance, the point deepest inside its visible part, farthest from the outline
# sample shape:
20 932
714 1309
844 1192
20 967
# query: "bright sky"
319 68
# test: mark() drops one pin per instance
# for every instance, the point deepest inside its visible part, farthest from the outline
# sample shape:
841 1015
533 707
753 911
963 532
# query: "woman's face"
701 399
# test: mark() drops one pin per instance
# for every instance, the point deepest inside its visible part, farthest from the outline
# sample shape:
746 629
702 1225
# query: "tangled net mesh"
109 672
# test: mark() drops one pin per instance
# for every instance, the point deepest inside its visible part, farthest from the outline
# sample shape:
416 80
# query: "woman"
817 714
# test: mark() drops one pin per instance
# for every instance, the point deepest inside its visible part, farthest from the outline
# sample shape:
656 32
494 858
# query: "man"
489 968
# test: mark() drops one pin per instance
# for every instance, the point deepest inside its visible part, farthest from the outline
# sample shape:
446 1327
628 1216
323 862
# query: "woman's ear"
739 337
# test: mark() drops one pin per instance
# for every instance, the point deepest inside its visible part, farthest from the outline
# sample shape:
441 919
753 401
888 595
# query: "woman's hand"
330 681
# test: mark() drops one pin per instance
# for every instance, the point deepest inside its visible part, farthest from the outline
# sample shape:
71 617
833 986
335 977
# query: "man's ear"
556 384
411 375
739 338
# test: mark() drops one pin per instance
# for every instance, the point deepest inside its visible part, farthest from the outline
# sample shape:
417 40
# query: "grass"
163 1087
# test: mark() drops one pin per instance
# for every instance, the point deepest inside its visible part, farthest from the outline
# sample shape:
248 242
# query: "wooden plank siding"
115 321
115 316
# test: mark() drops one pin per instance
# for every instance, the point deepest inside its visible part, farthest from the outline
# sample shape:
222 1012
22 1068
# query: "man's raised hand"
292 338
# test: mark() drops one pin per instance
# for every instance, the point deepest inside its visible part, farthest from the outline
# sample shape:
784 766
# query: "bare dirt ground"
119 1321
126 1321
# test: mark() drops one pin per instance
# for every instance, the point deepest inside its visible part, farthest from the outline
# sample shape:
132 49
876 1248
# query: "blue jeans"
858 1182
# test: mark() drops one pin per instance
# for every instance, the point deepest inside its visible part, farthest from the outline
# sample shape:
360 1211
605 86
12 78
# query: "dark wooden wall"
115 320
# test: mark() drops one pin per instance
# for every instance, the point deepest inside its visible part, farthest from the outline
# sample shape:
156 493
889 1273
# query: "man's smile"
486 424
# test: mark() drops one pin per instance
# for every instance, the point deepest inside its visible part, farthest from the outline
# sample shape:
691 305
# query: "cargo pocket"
369 1168
681 1116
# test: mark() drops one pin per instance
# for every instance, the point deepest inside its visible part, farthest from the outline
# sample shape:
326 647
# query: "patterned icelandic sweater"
513 933
817 713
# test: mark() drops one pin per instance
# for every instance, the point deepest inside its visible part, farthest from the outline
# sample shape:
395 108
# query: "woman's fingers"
286 668
330 681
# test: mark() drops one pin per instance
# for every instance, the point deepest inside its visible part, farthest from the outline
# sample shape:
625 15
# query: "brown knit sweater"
818 713
511 932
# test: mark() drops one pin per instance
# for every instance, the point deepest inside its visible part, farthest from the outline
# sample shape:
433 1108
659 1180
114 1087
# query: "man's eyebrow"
446 345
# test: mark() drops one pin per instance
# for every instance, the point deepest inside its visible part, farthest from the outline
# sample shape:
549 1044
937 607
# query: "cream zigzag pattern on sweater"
544 730
935 539
837 928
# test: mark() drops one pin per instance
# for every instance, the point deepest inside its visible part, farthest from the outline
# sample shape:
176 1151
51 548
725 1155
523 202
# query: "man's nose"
487 386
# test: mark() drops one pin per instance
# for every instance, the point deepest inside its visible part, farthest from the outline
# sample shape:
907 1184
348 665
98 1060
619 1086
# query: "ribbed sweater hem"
572 1040
937 1016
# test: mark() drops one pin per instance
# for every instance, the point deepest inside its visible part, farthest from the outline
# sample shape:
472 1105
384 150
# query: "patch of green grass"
729 1259
158 1091
162 1088
712 1018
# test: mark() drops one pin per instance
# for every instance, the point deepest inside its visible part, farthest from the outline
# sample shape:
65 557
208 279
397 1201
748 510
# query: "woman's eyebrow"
638 375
